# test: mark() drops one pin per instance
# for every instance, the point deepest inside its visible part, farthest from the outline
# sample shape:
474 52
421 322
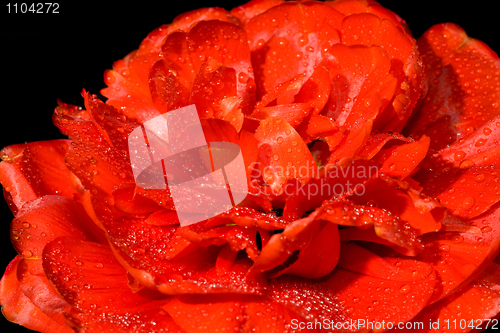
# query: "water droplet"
26 225
467 164
242 77
27 254
444 248
405 289
480 142
480 178
282 42
458 239
486 229
468 203
459 155
303 40
78 263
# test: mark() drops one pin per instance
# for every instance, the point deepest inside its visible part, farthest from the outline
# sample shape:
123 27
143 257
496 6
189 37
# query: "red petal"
168 91
316 89
186 20
42 220
217 130
162 198
471 307
292 113
76 268
401 161
160 257
377 141
127 200
467 192
386 225
459 100
248 217
111 124
128 88
320 257
152 43
32 170
230 111
421 212
253 8
333 182
37 288
357 259
239 238
321 127
349 7
405 63
163 217
289 32
358 73
294 100
65 259
359 296
18 308
98 155
128 82
283 154
228 313
210 86
457 258
317 242
184 53
353 140
464 175
249 150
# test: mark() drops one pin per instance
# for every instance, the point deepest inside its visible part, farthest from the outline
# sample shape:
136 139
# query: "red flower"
371 160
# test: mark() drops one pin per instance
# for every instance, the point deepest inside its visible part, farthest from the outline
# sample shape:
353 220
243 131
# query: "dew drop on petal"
486 229
466 164
468 203
459 155
444 248
405 289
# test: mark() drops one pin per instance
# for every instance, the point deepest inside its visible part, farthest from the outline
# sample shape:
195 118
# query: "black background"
44 57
